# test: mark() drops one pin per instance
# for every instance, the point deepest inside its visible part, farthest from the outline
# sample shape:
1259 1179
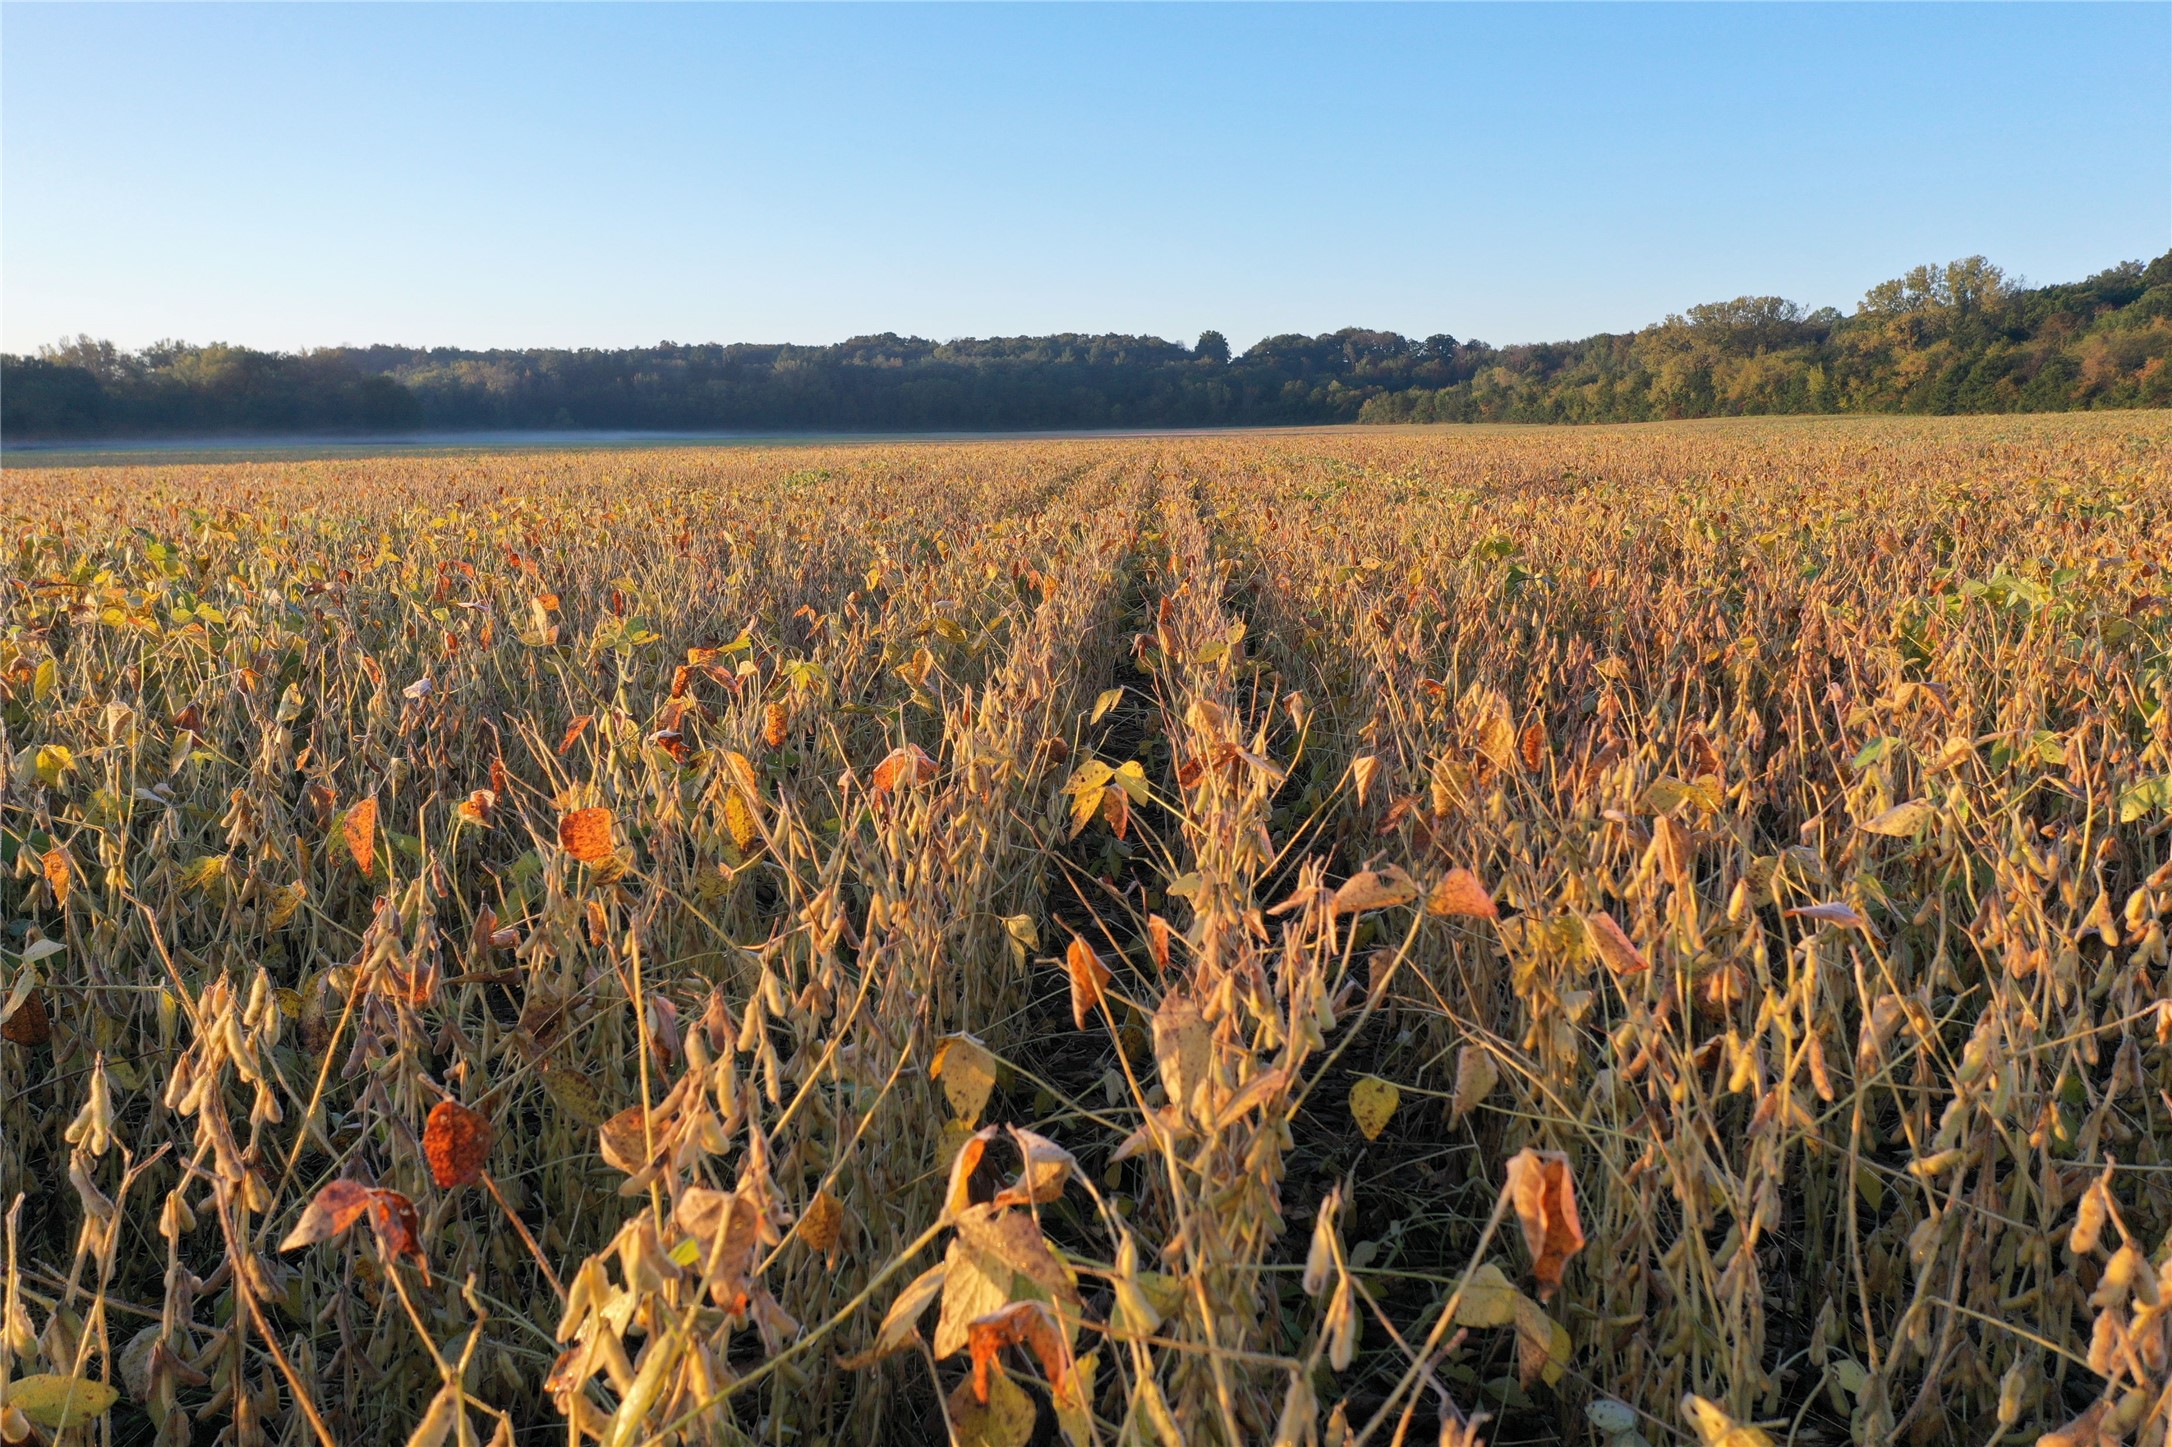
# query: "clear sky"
514 175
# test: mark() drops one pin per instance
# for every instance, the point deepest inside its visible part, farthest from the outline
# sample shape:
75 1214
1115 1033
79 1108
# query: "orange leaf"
586 835
1615 947
1461 892
775 721
361 831
1157 941
57 873
574 731
906 765
959 1195
457 1142
1540 1188
1022 1323
1533 746
1088 975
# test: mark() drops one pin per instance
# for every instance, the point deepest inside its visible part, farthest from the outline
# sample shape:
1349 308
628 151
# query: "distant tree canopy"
1954 338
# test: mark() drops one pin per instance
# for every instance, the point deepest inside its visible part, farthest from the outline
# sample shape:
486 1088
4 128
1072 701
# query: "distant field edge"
292 447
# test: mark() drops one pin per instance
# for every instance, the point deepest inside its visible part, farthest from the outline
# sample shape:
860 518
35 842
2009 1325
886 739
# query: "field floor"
1606 936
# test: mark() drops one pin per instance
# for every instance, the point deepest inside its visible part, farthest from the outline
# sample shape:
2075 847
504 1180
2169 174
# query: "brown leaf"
398 1227
29 1025
1157 941
1544 1195
1088 976
822 1223
586 835
329 1213
456 1141
360 827
1461 892
1614 946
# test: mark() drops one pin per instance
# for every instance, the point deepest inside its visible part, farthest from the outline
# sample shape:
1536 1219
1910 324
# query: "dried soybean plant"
1609 935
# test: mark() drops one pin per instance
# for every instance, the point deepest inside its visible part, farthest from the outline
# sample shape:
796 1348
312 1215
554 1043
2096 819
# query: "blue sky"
513 175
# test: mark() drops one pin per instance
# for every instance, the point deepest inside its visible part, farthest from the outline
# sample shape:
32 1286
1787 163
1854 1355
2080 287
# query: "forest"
1958 338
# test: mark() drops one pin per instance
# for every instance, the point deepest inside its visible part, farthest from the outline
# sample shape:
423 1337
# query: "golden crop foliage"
1492 934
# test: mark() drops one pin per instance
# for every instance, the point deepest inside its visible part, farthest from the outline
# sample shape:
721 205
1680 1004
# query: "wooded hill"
1941 339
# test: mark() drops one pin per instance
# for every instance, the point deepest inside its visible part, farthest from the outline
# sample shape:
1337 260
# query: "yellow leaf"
1488 1299
1006 1421
739 819
1372 1102
573 1092
59 1403
1716 1429
47 677
1902 821
1542 1344
968 1073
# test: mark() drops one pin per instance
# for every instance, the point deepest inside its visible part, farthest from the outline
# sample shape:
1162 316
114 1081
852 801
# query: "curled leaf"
1088 977
1544 1196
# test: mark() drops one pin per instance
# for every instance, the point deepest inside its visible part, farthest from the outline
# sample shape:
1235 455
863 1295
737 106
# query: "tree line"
1962 337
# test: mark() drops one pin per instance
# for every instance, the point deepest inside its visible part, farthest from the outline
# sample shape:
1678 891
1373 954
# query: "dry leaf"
1832 913
28 1025
456 1141
1461 892
1614 945
968 1073
822 1223
1088 976
1532 745
1476 1075
58 874
1374 889
360 829
1021 1323
1677 850
903 767
1544 1196
1363 769
586 835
